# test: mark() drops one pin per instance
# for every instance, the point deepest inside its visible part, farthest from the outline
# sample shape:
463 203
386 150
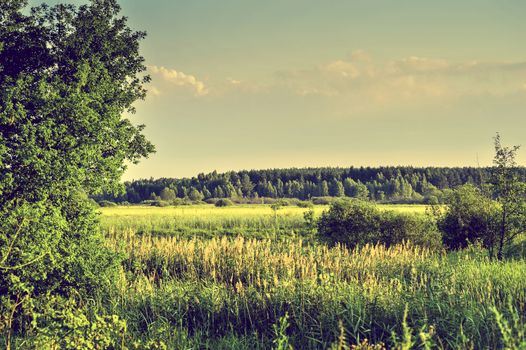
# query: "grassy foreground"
245 293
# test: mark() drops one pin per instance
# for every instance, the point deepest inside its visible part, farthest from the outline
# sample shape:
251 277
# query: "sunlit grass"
259 221
244 286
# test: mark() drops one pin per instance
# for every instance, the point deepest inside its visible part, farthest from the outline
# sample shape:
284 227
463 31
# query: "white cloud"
362 80
180 79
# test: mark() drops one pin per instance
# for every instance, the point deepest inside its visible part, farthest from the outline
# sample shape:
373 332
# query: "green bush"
156 203
223 202
65 324
305 204
470 217
211 200
105 203
324 200
50 249
356 223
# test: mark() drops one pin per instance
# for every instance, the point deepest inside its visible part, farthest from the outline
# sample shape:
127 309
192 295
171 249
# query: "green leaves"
68 75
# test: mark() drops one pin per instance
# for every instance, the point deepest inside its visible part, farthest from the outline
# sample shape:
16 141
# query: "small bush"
470 217
156 203
305 204
267 200
224 202
105 203
324 200
356 223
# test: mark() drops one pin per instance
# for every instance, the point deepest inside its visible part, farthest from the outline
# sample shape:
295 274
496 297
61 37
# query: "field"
206 277
258 221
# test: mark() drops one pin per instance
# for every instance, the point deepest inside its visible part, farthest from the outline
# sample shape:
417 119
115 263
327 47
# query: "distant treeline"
384 184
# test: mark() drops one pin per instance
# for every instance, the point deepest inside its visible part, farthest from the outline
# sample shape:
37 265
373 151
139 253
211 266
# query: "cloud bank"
361 78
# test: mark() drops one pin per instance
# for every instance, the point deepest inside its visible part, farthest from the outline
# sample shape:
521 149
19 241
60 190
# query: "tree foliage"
67 76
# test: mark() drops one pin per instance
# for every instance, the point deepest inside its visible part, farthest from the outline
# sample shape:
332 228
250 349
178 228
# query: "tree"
67 76
246 185
195 195
509 192
167 194
336 188
323 190
355 189
218 192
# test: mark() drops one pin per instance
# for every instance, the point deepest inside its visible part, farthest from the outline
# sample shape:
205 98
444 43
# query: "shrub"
155 203
305 204
64 324
105 203
224 202
324 200
470 217
356 223
212 200
267 200
38 258
421 230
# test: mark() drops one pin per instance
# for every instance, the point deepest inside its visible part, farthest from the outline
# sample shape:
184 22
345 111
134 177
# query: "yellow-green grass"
239 286
247 210
259 221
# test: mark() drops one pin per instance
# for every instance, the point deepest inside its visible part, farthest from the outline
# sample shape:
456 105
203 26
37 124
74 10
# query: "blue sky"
293 83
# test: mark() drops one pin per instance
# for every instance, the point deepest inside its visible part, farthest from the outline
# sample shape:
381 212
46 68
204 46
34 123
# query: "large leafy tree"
68 76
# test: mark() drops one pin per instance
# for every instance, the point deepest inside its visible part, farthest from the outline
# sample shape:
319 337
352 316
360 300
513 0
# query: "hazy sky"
294 83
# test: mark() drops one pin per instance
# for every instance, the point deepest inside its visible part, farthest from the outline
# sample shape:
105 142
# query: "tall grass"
239 289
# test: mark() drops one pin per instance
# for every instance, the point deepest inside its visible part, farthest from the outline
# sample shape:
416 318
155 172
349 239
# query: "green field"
185 284
258 221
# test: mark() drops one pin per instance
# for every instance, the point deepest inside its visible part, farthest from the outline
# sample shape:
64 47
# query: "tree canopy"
68 76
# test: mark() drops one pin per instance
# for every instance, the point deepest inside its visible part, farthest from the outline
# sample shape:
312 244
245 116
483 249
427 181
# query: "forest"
428 185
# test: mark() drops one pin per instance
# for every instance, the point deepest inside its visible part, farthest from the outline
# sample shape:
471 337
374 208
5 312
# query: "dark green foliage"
304 204
168 194
158 203
195 195
105 203
356 223
495 216
384 184
471 216
67 76
223 202
323 200
67 324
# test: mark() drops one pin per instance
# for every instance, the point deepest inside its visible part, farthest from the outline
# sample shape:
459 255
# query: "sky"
242 84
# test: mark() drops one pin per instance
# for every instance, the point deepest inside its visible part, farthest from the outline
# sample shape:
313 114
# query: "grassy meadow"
198 277
251 220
